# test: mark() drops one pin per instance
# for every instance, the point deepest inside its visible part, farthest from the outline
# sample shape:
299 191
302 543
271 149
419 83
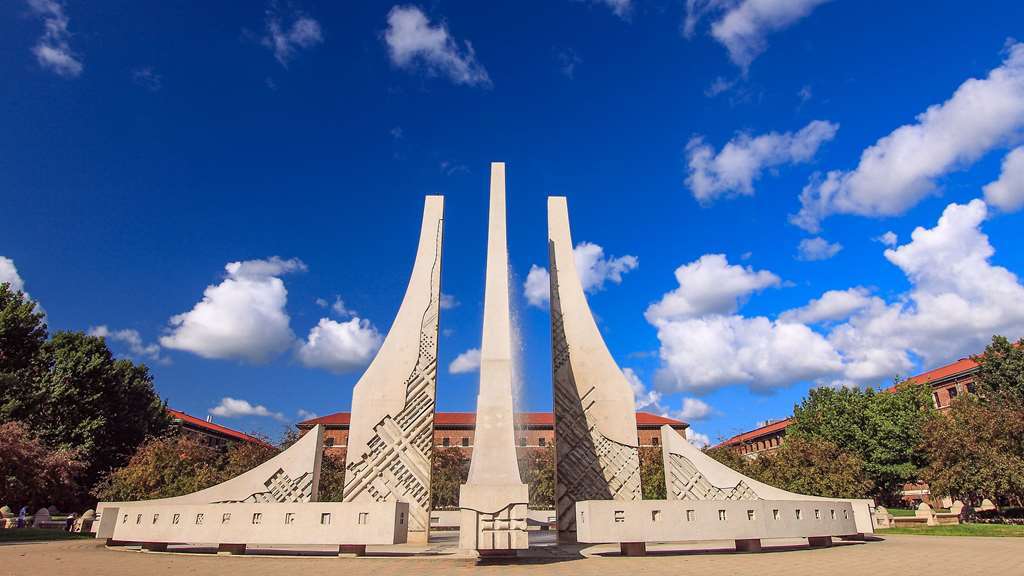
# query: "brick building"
207 430
947 382
455 429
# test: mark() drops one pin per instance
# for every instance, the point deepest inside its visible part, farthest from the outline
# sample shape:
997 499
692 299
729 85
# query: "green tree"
87 400
1001 369
33 475
163 467
812 466
883 430
22 335
240 457
332 477
652 473
976 451
449 470
537 470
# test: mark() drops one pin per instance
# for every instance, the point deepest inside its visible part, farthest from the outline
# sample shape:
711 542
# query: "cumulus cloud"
414 43
52 50
1007 193
285 39
693 409
889 238
131 338
593 267
709 285
733 170
468 361
306 414
241 318
811 249
742 25
697 439
643 397
237 408
339 347
337 307
832 306
902 168
9 274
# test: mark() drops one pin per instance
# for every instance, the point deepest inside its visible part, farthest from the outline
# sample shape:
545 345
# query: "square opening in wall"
289 518
751 515
225 518
799 515
775 514
257 518
655 515
176 518
325 518
620 516
691 515
364 517
722 515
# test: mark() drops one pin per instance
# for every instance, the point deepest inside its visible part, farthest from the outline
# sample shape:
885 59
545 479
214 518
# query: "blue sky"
733 167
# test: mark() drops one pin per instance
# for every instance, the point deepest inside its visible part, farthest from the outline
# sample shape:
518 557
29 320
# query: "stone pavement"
897 554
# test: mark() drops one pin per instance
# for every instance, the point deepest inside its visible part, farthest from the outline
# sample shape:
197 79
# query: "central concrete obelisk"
493 501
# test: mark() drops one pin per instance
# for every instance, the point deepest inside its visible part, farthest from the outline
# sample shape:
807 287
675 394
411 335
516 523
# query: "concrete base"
154 546
633 548
112 542
819 541
231 549
351 550
748 545
497 554
853 537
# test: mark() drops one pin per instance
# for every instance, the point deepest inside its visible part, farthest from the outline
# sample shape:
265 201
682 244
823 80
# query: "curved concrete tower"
493 501
596 453
392 430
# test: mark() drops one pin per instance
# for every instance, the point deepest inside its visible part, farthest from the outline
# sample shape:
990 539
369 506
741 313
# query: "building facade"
207 431
455 430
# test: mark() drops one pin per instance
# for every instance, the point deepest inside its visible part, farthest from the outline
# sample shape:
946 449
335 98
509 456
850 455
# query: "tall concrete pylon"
391 436
493 501
596 452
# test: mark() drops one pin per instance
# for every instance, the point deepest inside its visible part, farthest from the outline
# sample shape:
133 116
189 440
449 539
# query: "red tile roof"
209 427
442 419
766 430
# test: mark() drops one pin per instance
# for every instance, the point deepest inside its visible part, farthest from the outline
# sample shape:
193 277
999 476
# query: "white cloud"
902 168
697 439
703 354
889 238
338 307
448 302
468 361
833 305
52 50
741 161
593 267
709 285
811 249
693 409
1007 193
744 24
339 347
644 398
537 287
133 339
242 318
237 408
285 41
148 78
9 274
413 42
306 414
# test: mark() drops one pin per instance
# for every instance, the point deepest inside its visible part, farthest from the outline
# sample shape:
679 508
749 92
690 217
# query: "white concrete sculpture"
707 500
493 501
391 435
596 455
690 474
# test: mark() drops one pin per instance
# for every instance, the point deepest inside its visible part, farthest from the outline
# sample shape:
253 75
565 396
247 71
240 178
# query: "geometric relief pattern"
283 489
396 466
589 465
687 483
501 530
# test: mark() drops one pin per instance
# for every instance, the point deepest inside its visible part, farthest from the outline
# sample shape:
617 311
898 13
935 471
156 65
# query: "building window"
952 392
970 387
542 441
446 441
654 441
329 442
465 441
935 399
522 441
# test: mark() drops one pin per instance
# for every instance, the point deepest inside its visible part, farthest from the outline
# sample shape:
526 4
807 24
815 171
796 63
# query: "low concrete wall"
610 521
315 523
449 519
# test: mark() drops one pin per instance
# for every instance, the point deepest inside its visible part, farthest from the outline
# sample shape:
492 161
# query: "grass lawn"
37 534
901 511
958 530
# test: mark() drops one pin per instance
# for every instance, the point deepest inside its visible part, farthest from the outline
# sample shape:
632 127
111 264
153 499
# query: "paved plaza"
897 554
